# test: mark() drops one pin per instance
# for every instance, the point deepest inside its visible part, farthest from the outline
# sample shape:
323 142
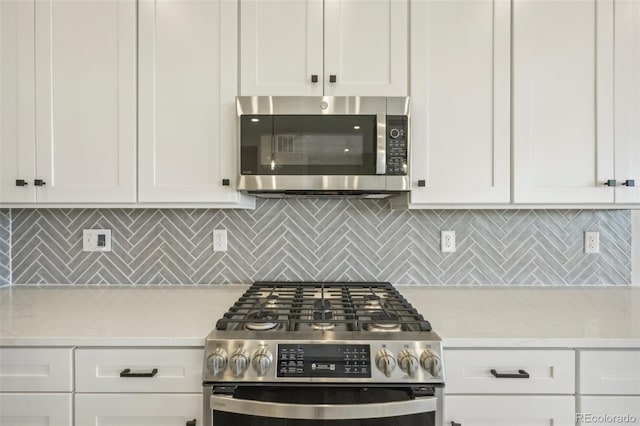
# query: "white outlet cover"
592 242
447 241
219 240
96 240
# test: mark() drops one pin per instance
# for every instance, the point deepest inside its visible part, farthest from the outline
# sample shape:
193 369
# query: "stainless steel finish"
262 361
327 105
408 362
385 362
278 410
381 148
217 361
253 341
431 362
239 362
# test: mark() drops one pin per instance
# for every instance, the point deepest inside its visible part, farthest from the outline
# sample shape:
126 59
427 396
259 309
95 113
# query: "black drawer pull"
314 78
127 373
422 183
521 375
21 182
629 182
39 182
191 422
332 79
225 182
455 424
611 182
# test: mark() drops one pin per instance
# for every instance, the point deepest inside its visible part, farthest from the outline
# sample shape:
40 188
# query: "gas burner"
322 312
271 303
264 320
388 322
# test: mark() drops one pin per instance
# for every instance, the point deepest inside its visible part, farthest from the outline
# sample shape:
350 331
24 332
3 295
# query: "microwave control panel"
397 146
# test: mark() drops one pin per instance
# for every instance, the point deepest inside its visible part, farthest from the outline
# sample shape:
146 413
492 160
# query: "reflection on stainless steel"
323 183
278 410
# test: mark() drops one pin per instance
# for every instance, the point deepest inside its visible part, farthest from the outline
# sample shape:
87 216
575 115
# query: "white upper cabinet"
460 101
68 101
563 103
365 47
627 100
17 126
187 87
85 104
330 47
281 47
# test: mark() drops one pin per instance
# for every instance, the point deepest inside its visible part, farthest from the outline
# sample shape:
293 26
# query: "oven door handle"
278 410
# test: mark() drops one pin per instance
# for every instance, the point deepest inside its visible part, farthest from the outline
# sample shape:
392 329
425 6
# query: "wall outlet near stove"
96 240
219 240
447 241
592 242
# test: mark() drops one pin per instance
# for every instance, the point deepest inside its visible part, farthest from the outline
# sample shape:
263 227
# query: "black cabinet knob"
314 78
39 182
225 182
422 182
629 183
332 79
21 182
455 424
611 182
191 422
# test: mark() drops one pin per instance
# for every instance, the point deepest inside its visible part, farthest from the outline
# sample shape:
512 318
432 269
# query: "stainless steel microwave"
316 146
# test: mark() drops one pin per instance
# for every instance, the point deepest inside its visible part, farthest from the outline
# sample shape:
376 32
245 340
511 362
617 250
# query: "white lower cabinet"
138 409
608 410
36 409
503 410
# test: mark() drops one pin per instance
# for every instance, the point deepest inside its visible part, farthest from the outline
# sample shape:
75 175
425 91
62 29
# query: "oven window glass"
319 395
308 144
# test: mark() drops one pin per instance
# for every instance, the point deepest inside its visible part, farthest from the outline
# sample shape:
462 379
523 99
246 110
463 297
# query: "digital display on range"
320 360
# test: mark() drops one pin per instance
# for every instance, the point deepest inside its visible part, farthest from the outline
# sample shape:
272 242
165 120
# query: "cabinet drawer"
138 409
550 372
20 409
177 370
36 370
608 410
609 372
510 410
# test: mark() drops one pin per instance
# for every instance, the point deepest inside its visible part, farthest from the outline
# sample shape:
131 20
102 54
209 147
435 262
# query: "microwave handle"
381 144
278 410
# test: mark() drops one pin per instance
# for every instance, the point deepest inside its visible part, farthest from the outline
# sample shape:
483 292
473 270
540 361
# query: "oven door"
326 406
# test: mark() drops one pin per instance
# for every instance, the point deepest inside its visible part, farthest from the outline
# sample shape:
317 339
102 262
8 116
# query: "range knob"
431 362
217 361
239 362
262 361
385 362
394 133
408 362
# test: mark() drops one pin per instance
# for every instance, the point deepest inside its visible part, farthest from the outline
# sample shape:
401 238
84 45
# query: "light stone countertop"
464 316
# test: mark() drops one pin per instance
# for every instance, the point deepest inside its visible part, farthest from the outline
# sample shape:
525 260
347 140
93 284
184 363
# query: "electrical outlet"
96 240
447 241
219 240
592 242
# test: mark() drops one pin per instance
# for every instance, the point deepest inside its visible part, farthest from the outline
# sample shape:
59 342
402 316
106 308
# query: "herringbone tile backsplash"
5 247
322 240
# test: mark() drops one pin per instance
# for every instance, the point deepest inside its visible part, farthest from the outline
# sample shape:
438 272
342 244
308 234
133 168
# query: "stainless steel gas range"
331 354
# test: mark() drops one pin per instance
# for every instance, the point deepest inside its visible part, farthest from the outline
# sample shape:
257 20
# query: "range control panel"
397 146
363 361
324 360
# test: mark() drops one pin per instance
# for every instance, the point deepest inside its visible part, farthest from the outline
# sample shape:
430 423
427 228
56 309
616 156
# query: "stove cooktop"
313 306
319 332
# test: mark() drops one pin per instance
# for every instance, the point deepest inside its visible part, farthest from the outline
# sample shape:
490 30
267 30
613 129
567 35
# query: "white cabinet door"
460 101
281 47
627 99
33 409
509 410
187 88
608 410
17 115
562 101
138 409
36 369
85 53
365 47
609 372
